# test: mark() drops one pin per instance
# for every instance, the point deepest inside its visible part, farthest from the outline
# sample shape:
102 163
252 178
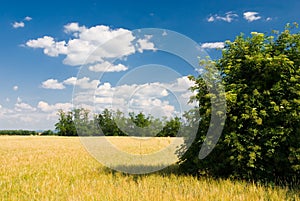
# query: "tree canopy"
261 135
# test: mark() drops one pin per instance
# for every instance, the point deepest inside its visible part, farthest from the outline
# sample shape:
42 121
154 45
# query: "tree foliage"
261 136
110 123
18 132
65 125
106 122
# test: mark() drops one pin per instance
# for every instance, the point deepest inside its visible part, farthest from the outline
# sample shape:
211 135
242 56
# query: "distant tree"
65 125
140 119
171 128
141 125
110 123
48 132
107 123
17 132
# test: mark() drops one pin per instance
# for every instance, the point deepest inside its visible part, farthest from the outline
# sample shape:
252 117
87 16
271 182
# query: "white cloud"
21 24
251 16
86 83
107 67
45 107
181 84
51 48
228 17
18 25
27 18
268 19
26 116
81 48
144 44
83 83
211 19
20 106
73 28
214 45
70 81
151 98
15 88
52 84
19 100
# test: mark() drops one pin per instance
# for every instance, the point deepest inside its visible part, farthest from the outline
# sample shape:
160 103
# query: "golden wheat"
59 168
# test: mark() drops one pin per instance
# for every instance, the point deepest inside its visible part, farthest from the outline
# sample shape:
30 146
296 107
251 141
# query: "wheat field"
60 168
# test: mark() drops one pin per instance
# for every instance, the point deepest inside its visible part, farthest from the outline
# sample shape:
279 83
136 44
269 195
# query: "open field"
59 168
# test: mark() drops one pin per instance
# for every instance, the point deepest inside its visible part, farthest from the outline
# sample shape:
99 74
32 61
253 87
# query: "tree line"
110 123
26 132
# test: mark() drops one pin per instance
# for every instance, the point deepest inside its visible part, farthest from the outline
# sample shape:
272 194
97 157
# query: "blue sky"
43 46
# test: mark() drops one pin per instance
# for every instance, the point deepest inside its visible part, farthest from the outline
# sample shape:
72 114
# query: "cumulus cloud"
214 45
83 83
107 67
70 81
251 16
144 44
51 48
18 25
90 45
211 19
52 84
46 107
228 17
25 116
154 98
21 24
20 107
86 83
27 18
158 99
15 88
19 100
73 28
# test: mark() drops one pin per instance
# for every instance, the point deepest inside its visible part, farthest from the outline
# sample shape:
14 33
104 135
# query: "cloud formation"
251 16
31 117
107 67
46 107
156 98
52 84
27 18
83 83
18 25
21 24
93 46
214 45
15 88
228 17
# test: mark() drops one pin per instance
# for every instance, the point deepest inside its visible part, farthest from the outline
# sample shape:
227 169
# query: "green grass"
59 168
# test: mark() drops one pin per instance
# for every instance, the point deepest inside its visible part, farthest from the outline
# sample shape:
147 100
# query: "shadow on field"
165 171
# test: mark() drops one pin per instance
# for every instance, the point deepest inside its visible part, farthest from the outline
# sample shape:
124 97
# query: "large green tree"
261 136
65 125
107 123
75 122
